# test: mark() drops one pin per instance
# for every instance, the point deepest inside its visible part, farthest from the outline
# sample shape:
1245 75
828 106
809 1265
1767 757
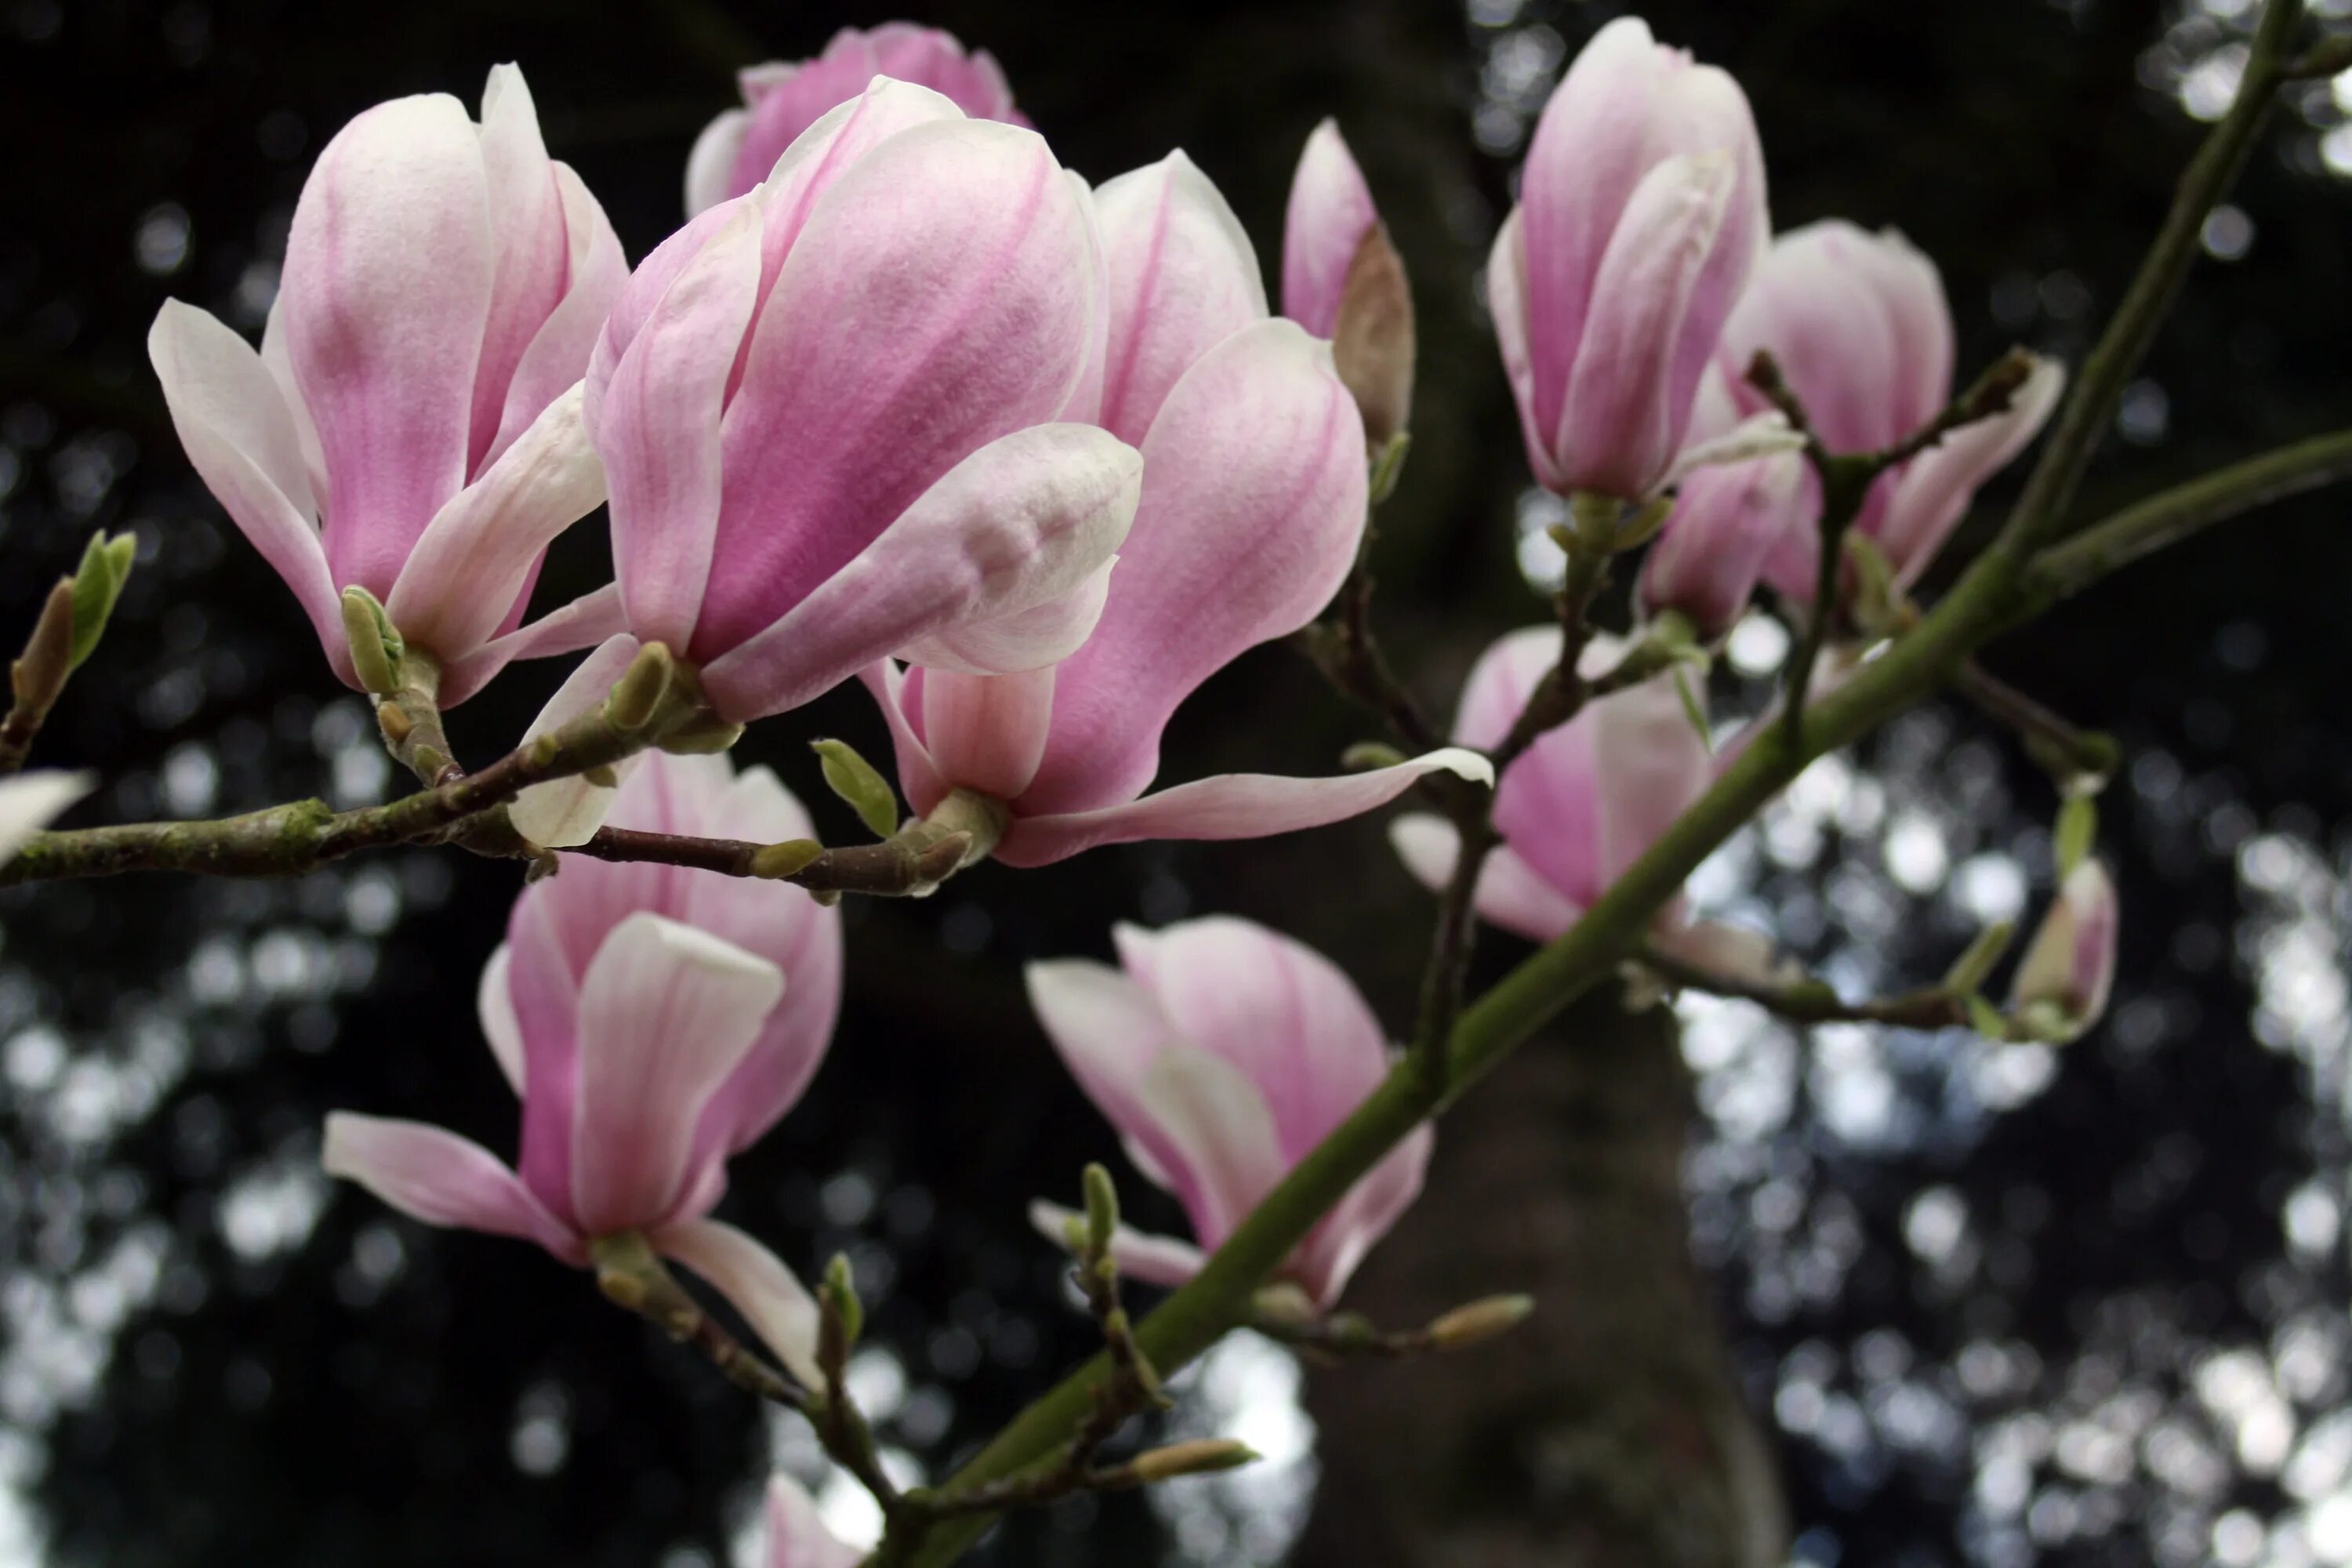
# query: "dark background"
2116 1353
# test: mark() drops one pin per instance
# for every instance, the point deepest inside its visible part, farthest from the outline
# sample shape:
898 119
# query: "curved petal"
658 432
919 775
666 1012
987 732
442 1179
1024 520
1710 555
30 802
1183 278
1936 487
242 441
385 295
1329 212
531 250
937 300
1229 805
1502 682
1653 763
756 1283
789 102
559 352
1107 1029
1224 1150
501 1026
1626 411
585 621
1328 1256
1152 1260
1283 1015
1510 893
568 811
1021 643
710 166
478 556
1254 486
1507 303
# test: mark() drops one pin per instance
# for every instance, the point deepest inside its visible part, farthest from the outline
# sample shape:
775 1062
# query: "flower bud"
1641 213
1202 1457
1710 553
854 779
97 583
2063 980
1342 280
1475 1323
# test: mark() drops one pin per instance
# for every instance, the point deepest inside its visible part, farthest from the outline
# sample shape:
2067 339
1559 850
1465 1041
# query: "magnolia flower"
1727 519
1580 805
798 1536
2063 980
1859 326
1343 280
1252 503
30 802
1640 214
640 1011
411 424
1222 1052
782 98
844 417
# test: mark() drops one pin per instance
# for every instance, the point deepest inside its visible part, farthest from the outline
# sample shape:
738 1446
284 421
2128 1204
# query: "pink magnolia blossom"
642 1014
1252 502
1641 213
1726 519
781 98
833 413
1580 805
1861 332
1223 1052
2065 978
1329 213
30 802
411 424
797 1535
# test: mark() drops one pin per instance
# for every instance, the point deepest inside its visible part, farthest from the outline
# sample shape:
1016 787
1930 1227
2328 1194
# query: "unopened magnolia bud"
1372 343
1202 1457
637 696
1479 1321
375 645
2063 980
1102 1209
843 1313
853 778
97 583
39 677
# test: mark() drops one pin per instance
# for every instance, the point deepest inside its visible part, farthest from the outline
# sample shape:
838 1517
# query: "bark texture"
1606 1432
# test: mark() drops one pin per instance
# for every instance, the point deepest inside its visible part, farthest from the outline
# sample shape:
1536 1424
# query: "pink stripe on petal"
442 1179
1229 805
987 732
480 553
386 294
532 251
666 1012
1253 486
1022 522
559 352
1183 278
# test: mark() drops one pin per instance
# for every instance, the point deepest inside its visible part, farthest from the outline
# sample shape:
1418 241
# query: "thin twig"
2069 753
632 1276
1812 1001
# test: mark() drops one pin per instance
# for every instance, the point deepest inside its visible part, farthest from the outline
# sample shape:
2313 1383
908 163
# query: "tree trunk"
1607 1431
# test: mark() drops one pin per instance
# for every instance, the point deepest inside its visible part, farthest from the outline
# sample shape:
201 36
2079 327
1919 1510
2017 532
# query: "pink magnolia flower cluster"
905 400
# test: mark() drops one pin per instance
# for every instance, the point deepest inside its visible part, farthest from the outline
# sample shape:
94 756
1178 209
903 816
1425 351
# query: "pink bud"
1222 1052
1711 552
1252 506
642 1014
2065 978
782 98
1343 280
406 427
1861 331
827 411
1641 213
1581 805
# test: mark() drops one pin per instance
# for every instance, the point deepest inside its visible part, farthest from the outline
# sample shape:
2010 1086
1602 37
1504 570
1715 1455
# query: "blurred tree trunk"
1606 1432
